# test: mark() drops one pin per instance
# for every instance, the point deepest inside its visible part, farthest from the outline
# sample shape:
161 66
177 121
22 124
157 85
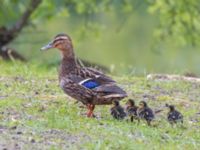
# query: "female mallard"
87 85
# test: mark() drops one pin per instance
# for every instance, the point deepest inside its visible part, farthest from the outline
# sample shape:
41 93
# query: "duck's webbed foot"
90 108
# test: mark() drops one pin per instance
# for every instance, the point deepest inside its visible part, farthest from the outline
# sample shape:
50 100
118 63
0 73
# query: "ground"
36 114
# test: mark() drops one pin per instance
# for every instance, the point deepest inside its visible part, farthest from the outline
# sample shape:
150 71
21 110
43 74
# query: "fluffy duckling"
173 115
131 109
144 112
117 111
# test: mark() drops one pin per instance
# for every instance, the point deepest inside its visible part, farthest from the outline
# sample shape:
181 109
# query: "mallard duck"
131 109
144 112
117 111
173 115
84 84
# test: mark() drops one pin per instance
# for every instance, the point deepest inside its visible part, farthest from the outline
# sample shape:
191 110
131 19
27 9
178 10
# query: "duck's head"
115 103
142 104
131 102
61 41
171 107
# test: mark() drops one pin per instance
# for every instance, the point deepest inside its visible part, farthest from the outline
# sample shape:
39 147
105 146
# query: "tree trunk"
10 54
8 35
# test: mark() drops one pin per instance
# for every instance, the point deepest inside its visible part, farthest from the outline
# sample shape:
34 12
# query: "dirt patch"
17 138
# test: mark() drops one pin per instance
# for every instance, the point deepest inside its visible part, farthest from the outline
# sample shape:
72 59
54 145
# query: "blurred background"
133 37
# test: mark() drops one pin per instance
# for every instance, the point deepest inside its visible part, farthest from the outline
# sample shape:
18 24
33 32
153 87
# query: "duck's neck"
68 62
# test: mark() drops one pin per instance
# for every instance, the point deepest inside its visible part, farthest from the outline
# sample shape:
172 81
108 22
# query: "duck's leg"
149 122
132 118
90 108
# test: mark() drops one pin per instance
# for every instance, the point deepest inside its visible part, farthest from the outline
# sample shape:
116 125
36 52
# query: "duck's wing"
98 82
71 87
108 85
111 90
92 89
97 75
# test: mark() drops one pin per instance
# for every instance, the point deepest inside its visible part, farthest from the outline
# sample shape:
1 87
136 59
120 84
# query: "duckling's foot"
90 108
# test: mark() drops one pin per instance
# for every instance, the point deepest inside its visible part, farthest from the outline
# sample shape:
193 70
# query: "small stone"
19 132
13 128
32 140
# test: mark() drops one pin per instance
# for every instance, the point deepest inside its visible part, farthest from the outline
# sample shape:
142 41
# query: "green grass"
45 118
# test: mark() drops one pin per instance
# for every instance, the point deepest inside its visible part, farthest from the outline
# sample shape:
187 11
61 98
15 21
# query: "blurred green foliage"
129 36
178 20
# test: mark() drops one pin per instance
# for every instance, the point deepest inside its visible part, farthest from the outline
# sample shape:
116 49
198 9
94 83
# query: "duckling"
144 112
173 115
117 111
87 85
131 109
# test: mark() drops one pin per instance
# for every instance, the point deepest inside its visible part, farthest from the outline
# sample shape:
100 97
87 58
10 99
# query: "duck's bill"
46 47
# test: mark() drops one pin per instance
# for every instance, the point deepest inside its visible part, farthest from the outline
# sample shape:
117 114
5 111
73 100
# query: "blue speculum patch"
90 84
